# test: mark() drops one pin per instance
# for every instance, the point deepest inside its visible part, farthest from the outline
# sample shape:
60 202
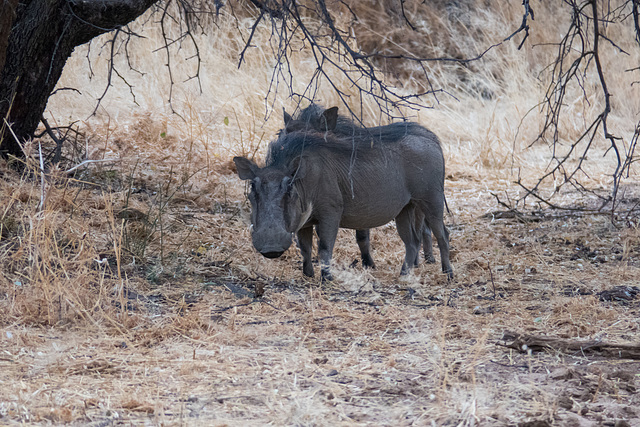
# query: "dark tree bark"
41 39
7 15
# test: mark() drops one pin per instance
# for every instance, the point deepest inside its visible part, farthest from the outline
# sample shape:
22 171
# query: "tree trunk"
7 14
41 39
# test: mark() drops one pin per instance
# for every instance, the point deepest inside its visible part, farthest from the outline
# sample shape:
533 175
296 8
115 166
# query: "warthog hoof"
449 274
307 270
404 270
327 276
367 262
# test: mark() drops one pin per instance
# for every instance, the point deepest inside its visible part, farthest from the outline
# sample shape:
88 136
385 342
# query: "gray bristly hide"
364 180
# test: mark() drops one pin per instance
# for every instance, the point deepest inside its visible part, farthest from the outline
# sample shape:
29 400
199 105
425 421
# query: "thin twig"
14 134
40 207
493 284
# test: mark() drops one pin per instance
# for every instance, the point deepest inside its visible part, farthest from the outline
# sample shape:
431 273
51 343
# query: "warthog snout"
271 240
271 244
274 254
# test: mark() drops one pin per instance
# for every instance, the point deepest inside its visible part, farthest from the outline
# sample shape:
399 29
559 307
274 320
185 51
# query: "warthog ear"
246 168
329 118
287 117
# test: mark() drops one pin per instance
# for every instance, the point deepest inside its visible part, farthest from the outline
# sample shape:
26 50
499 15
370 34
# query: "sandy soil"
371 348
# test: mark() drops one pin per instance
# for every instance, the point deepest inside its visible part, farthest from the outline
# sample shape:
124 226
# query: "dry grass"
128 298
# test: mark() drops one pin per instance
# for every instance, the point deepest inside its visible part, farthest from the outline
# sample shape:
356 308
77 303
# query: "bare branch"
528 11
110 72
578 57
248 43
636 18
404 15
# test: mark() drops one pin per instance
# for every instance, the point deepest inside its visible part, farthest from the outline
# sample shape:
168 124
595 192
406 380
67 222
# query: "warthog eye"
286 183
253 188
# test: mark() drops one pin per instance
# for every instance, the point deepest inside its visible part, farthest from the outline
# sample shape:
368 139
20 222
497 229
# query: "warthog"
328 181
317 118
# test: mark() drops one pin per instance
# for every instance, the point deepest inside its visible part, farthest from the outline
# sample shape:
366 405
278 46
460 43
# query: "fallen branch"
86 162
525 343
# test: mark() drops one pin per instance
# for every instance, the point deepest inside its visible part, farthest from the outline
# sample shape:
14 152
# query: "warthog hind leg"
362 237
427 245
442 236
405 223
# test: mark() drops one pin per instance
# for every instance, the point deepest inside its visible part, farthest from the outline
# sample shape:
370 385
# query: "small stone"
565 402
561 374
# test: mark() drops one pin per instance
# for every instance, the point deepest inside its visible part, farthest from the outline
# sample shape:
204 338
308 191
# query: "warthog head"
313 118
276 211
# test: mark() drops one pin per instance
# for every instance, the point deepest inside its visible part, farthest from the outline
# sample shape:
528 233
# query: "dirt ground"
370 348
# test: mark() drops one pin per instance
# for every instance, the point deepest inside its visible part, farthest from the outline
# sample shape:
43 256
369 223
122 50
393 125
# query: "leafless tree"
43 34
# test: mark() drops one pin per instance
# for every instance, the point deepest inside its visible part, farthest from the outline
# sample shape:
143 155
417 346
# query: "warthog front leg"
327 233
362 237
305 242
